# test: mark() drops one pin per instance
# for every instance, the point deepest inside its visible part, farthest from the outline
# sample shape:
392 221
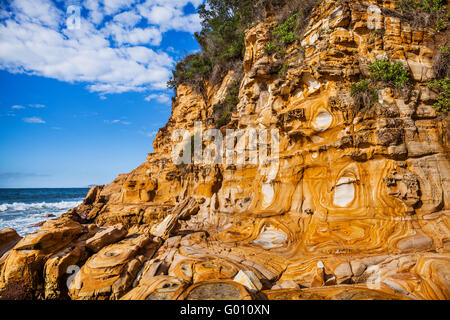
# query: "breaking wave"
20 206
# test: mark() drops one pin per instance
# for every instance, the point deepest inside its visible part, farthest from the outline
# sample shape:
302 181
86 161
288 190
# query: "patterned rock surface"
8 238
357 207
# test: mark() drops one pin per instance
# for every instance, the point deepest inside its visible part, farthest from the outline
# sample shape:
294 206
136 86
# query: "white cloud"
115 58
125 35
161 98
128 18
85 57
159 14
34 120
125 123
17 107
169 15
113 6
42 12
96 14
4 14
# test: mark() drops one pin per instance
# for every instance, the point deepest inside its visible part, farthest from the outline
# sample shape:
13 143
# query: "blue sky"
81 103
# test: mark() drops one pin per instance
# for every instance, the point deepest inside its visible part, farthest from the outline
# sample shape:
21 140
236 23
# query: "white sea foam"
23 216
20 206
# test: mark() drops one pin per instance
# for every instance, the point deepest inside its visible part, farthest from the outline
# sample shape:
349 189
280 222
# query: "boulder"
8 238
109 273
182 211
59 269
106 237
25 263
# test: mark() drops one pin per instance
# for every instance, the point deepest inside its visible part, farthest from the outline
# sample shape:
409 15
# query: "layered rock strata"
357 206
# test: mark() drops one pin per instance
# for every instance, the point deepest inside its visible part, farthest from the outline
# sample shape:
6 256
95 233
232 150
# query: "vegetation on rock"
441 83
290 31
284 35
389 73
222 44
428 6
365 92
224 109
221 39
442 103
191 70
441 63
425 13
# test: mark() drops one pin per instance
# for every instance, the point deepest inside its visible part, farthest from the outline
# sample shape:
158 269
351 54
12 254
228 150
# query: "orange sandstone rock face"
111 271
357 207
25 262
8 238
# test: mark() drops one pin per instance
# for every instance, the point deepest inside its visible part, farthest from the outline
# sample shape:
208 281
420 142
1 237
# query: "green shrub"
445 49
191 70
283 35
364 94
270 48
442 104
391 73
428 6
224 119
440 25
285 32
221 39
283 69
362 86
424 13
431 6
288 33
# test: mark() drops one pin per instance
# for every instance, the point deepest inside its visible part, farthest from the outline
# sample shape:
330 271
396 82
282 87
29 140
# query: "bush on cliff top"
221 39
191 70
293 21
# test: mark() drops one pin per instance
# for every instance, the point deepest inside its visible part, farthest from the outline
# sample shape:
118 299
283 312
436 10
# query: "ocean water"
21 208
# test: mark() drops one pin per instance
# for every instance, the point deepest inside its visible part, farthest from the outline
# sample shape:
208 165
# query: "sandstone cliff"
357 207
